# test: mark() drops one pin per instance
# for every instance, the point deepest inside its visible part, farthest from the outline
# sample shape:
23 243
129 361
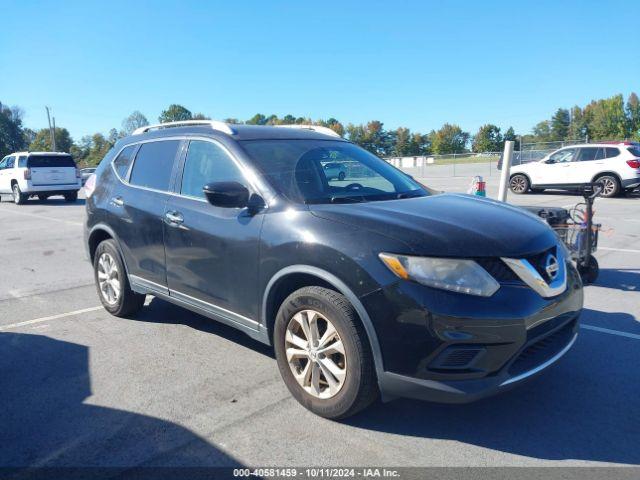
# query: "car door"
137 207
586 164
555 169
212 252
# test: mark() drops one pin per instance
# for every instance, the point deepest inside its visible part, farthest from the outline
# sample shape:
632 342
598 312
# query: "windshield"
38 161
325 171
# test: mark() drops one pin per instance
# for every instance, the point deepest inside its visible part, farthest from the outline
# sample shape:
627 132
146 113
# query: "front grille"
538 261
498 270
542 350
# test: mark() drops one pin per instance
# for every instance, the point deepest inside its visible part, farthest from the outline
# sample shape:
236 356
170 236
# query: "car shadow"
161 311
627 279
45 422
586 407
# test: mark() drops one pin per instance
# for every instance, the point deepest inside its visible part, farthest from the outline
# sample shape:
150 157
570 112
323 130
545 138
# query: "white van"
41 174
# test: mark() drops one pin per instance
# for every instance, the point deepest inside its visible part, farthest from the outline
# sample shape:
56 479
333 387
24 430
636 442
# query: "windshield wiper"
350 199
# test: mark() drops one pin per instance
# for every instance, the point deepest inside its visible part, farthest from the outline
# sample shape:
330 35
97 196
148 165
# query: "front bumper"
455 348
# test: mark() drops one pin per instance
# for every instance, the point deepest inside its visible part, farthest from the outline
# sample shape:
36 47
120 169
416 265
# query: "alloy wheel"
518 184
608 187
109 278
315 354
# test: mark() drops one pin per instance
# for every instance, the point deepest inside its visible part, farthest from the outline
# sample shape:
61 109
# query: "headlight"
464 276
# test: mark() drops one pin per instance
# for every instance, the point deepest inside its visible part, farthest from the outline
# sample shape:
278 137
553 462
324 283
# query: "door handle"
117 201
174 217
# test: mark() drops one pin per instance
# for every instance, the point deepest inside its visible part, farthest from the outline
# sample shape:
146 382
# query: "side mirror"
550 161
226 194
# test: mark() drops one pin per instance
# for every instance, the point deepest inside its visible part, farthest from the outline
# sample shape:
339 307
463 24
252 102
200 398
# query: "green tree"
402 146
132 122
542 131
175 113
449 139
12 135
578 126
98 149
510 134
42 141
257 119
606 119
488 139
200 116
633 117
560 123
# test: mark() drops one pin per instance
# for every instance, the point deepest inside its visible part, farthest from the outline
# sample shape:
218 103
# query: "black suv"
368 284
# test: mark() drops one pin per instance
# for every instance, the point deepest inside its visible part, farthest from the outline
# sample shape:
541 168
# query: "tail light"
90 185
633 163
27 174
78 174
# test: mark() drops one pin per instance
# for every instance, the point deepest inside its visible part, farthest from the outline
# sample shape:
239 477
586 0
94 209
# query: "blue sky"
416 64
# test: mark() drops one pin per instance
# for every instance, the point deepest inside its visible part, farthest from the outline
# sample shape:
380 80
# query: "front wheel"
112 282
589 272
19 198
323 353
519 184
71 197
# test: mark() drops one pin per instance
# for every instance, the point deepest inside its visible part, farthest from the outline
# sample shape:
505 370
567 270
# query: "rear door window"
153 164
22 161
588 153
51 161
123 161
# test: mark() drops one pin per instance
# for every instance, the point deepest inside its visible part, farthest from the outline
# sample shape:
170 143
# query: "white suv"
41 174
616 165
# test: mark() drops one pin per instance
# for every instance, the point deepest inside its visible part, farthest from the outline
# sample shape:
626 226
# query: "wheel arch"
607 173
99 233
291 278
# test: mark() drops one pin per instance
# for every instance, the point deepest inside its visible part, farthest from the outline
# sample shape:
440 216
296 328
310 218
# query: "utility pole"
51 134
53 143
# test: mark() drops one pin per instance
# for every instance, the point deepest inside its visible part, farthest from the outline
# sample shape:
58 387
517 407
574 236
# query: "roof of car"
237 131
40 153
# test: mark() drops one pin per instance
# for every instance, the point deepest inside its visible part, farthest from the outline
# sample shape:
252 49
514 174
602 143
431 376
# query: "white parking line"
46 319
610 332
627 250
42 217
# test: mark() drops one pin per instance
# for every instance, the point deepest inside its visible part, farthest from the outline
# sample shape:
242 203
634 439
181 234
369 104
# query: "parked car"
373 288
616 165
335 170
41 174
85 173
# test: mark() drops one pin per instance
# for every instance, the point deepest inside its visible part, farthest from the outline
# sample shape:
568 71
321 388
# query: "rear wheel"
323 353
519 184
42 198
19 198
71 197
112 282
610 186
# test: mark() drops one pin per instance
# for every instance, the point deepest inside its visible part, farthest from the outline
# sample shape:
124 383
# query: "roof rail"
315 128
214 124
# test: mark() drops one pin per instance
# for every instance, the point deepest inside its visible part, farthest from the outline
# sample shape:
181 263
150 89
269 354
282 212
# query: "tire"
589 272
342 176
71 197
124 302
42 198
611 186
519 184
19 198
358 387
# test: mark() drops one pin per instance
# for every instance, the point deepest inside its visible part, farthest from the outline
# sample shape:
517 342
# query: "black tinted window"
207 163
635 151
11 162
124 160
42 161
588 153
612 152
22 161
153 164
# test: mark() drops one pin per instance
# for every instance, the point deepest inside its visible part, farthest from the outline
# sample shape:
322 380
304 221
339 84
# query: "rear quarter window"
611 152
50 161
123 161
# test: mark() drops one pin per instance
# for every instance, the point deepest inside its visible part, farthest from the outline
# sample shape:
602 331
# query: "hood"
448 225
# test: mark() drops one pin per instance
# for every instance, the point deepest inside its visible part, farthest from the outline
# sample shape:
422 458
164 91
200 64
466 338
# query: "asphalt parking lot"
82 388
